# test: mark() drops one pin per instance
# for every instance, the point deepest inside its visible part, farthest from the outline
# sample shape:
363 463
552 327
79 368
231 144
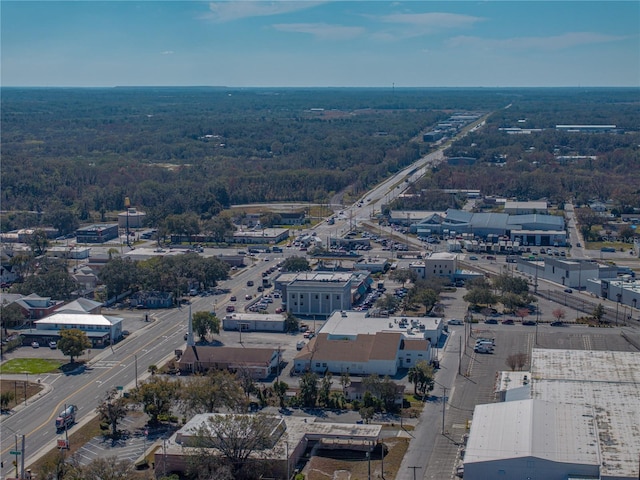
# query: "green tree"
157 395
309 389
367 413
280 389
211 392
598 312
205 323
219 227
38 242
119 275
403 275
11 316
291 323
50 278
73 342
109 468
422 377
6 398
427 298
62 219
245 379
480 296
388 302
325 389
296 264
113 409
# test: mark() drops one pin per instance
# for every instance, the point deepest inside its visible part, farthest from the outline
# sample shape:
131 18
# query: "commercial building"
531 229
254 322
98 233
320 293
525 208
101 330
356 343
132 218
436 265
287 439
576 415
263 236
260 362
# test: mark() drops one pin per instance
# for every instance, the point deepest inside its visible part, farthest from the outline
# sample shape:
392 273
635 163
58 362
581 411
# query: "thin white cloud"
433 20
167 52
221 12
557 42
322 30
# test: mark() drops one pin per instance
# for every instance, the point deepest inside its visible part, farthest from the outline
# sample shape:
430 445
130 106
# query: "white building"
525 208
438 264
531 439
360 345
580 420
318 293
101 330
254 322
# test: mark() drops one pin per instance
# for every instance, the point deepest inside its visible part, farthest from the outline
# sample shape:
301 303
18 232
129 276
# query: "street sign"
62 443
15 452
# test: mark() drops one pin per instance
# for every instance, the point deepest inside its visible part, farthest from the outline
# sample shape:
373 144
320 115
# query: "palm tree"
416 376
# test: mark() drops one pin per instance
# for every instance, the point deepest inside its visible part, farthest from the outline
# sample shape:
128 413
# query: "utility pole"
136 368
444 404
368 465
414 471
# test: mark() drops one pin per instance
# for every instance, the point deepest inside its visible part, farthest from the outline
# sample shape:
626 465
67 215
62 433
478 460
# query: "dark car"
557 324
529 322
568 290
233 298
491 321
508 321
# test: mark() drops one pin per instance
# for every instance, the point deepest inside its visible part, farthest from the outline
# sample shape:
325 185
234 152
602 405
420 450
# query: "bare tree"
559 314
517 361
233 440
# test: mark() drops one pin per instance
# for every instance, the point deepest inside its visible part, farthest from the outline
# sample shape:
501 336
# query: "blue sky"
316 43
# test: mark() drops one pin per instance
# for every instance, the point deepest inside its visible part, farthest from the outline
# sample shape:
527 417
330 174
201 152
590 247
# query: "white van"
483 348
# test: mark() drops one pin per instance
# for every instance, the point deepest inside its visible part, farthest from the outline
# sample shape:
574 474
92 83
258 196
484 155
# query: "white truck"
66 418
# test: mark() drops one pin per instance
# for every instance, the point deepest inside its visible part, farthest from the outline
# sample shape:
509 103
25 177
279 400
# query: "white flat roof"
255 317
358 323
533 428
609 382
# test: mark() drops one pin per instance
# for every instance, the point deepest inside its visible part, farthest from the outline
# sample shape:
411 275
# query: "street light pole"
136 368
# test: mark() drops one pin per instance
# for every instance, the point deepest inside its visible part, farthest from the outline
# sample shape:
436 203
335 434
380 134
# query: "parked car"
455 321
508 321
125 333
491 321
473 257
568 290
557 324
233 298
529 323
53 345
35 344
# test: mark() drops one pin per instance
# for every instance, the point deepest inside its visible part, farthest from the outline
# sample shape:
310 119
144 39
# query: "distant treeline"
198 150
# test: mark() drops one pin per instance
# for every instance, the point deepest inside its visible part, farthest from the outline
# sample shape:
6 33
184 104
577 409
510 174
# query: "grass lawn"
33 366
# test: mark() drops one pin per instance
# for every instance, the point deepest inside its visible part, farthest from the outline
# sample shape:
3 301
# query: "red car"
231 308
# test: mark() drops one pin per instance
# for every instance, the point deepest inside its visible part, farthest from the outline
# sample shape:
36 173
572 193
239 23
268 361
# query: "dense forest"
198 150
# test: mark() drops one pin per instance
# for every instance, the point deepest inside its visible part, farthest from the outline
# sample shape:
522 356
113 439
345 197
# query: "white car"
35 344
455 321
